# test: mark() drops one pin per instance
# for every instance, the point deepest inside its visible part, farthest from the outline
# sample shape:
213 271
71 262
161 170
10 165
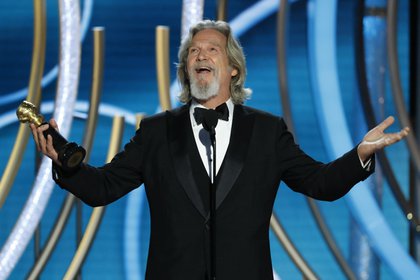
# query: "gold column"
53 238
98 212
139 118
162 64
34 96
95 96
221 9
291 250
96 88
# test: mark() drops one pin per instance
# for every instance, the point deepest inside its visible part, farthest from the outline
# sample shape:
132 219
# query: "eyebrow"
210 42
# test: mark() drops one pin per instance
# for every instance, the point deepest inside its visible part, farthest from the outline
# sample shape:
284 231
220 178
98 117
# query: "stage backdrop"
130 84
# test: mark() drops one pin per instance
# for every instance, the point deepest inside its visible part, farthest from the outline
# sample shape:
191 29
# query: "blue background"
130 83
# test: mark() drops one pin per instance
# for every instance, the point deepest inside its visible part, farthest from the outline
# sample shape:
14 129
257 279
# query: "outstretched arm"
96 186
376 139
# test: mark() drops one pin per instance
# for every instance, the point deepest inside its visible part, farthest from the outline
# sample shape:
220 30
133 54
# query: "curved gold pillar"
291 250
96 92
98 212
139 118
162 65
34 96
96 88
53 238
221 10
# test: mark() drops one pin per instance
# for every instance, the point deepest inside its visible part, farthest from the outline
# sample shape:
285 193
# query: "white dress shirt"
202 138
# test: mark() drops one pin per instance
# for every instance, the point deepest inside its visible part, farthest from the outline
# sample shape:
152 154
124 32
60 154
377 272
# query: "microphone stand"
210 120
213 208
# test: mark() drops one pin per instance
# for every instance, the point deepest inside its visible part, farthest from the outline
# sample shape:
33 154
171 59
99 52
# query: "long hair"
235 56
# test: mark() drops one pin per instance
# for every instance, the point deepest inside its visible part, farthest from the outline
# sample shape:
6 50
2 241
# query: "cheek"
188 63
188 69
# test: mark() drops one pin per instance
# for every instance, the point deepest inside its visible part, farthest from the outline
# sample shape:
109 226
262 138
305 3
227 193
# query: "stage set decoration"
325 66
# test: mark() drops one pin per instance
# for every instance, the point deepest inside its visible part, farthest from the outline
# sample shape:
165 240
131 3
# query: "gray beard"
204 91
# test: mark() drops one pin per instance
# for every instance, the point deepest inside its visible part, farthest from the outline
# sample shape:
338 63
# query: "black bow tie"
222 112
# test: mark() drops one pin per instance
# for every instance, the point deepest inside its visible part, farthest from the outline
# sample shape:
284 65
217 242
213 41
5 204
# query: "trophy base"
71 155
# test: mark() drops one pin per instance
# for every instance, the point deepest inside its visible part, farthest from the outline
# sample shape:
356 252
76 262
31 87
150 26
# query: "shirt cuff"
367 164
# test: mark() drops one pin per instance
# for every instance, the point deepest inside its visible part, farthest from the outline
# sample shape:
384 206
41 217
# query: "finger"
54 124
405 131
391 138
41 139
399 135
41 134
43 127
50 148
386 123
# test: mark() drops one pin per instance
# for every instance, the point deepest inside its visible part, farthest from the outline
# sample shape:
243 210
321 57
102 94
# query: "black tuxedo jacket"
163 156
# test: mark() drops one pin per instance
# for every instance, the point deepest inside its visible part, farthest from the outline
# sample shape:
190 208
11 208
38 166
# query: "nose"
201 55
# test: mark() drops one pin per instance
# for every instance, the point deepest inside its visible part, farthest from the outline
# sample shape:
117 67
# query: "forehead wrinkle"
209 42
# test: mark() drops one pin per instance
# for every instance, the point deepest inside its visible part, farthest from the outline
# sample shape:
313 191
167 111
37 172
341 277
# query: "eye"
213 50
193 50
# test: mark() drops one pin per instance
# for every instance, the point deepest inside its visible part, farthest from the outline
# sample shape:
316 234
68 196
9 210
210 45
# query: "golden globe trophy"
69 153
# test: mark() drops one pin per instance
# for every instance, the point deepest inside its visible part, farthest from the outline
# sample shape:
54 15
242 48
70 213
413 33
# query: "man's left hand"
376 139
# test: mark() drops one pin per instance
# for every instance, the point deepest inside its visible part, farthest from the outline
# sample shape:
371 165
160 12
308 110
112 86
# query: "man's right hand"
45 145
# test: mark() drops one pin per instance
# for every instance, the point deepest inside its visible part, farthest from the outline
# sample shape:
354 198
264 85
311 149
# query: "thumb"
54 124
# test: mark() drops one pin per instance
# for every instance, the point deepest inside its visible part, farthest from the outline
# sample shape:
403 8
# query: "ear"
234 72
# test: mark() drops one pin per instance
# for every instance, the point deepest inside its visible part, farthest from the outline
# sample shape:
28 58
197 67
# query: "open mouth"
203 69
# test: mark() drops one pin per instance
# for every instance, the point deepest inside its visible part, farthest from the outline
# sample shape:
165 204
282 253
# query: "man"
171 156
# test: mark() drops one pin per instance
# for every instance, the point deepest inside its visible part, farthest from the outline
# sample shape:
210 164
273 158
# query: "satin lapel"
181 140
242 127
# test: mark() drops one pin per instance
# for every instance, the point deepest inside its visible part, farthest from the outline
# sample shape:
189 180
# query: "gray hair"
235 55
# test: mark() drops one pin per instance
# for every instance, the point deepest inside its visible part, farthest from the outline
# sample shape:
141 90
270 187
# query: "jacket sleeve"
98 186
318 180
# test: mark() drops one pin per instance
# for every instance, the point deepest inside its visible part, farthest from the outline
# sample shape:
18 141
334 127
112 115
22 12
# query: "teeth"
203 68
